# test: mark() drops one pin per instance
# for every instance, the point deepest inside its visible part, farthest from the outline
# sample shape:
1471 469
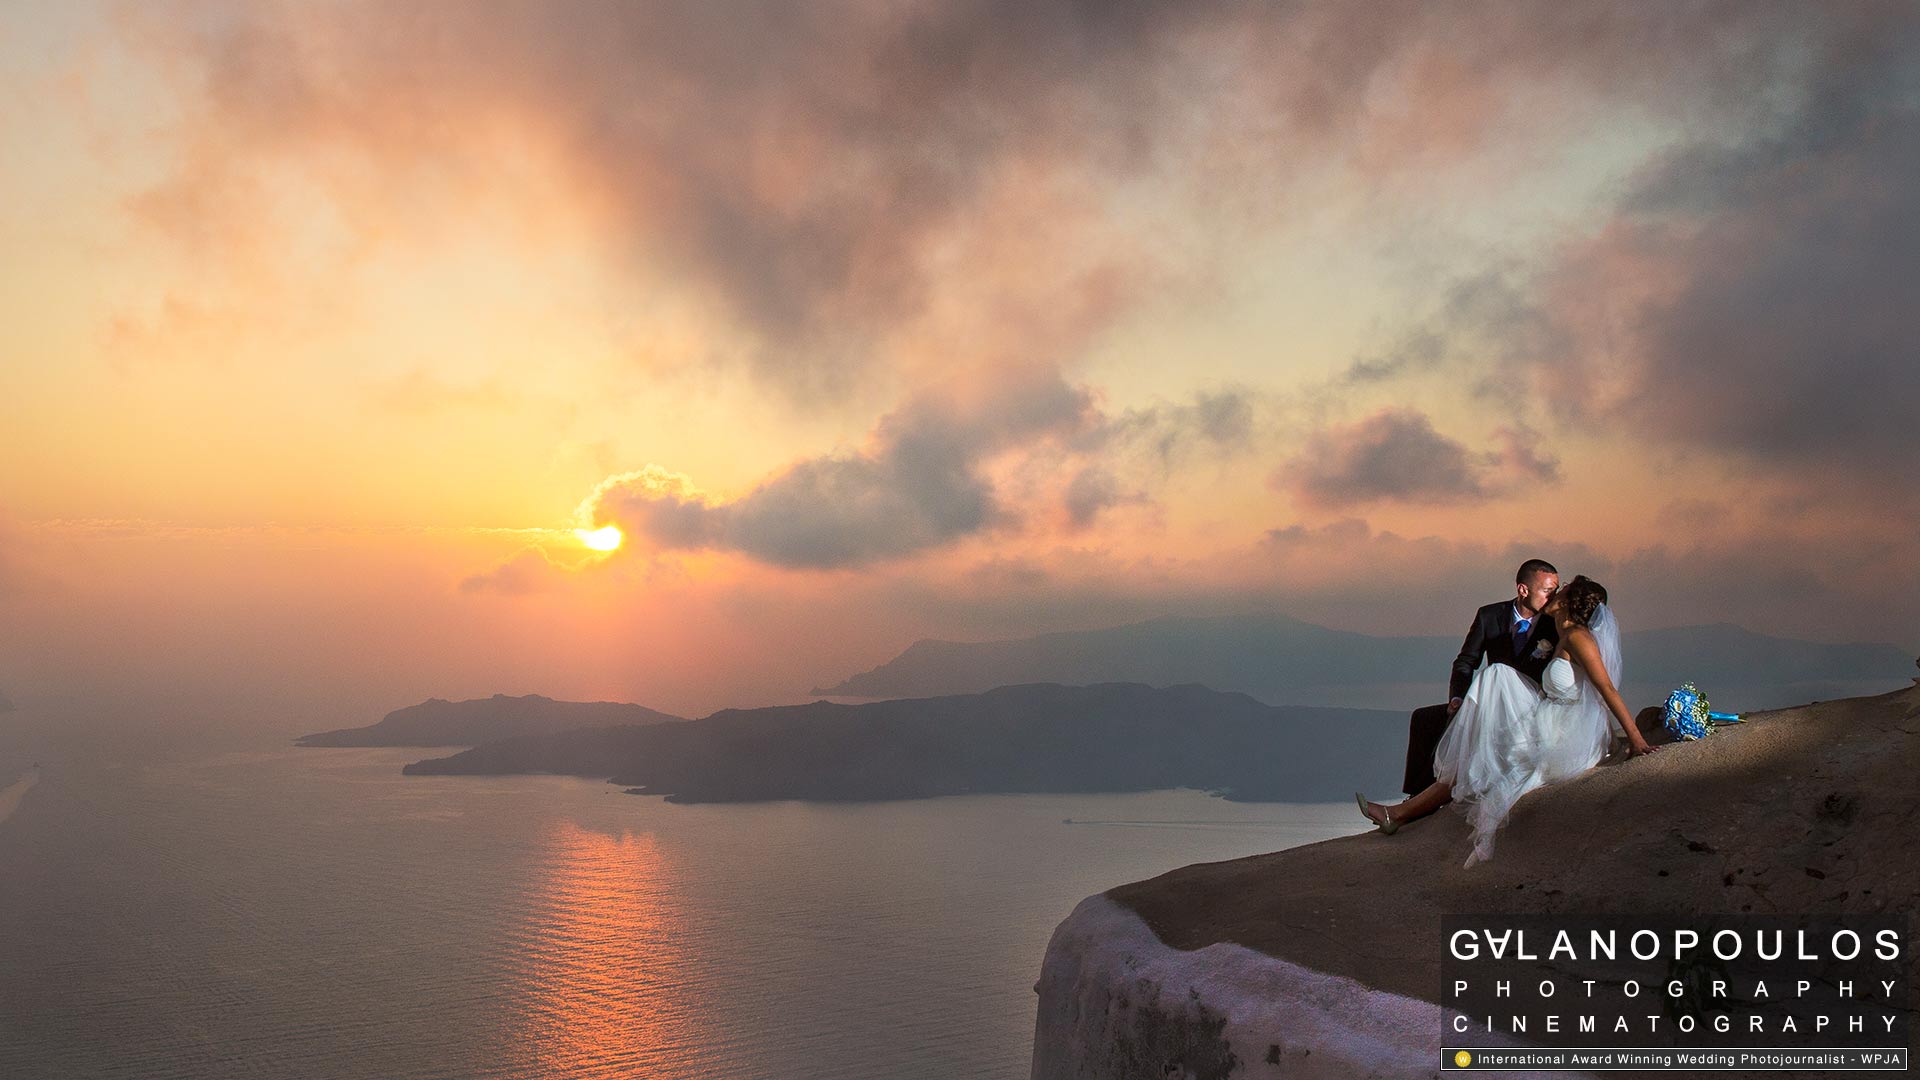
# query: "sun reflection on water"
604 973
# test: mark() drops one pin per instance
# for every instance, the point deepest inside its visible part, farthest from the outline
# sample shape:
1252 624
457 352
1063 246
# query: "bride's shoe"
1386 824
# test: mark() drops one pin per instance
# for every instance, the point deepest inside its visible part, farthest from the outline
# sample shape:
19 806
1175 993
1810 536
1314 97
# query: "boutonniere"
1542 649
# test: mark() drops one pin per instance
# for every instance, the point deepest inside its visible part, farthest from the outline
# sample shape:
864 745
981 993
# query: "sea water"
237 906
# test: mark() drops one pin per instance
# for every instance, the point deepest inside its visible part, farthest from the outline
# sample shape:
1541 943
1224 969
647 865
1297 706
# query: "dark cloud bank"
922 478
1396 454
1752 294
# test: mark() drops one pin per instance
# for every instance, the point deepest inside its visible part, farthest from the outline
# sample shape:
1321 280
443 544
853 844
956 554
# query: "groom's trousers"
1423 737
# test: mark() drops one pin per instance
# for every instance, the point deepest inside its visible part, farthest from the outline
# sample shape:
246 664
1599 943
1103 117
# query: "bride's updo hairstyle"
1583 595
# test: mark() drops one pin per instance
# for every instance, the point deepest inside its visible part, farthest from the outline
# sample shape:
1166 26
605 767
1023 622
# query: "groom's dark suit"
1490 637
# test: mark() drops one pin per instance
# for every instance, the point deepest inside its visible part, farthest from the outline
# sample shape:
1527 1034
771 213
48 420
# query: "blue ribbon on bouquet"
1689 716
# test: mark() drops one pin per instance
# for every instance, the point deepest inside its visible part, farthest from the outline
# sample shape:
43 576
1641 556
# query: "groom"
1506 632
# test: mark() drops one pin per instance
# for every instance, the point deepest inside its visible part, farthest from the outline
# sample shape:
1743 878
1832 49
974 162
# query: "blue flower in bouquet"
1691 716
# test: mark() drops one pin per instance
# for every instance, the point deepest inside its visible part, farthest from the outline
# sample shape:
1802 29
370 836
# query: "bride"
1511 736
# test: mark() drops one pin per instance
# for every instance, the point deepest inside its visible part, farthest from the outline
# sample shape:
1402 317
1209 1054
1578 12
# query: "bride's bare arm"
1586 652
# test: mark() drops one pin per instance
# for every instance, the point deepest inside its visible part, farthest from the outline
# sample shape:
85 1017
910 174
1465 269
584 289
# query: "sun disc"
605 538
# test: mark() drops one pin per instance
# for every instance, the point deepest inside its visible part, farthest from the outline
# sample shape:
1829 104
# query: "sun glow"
605 538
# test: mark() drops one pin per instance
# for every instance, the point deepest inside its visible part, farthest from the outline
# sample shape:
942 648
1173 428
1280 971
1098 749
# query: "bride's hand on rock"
1640 749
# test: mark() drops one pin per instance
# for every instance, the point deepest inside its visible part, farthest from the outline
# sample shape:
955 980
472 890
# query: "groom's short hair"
1532 567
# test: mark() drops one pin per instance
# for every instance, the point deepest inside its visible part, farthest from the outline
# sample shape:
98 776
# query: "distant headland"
436 722
1031 738
1283 660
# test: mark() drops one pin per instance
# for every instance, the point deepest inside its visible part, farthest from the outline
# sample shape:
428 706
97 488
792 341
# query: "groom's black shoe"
1423 735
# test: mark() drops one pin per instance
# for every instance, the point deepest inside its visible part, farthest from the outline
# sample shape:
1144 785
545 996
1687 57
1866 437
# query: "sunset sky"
328 324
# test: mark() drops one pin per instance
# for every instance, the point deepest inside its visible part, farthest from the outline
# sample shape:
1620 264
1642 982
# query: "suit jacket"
1491 637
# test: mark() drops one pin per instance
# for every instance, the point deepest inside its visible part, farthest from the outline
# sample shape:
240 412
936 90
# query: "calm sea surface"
232 907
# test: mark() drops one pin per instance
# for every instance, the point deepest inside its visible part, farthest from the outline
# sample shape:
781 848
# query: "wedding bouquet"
1688 714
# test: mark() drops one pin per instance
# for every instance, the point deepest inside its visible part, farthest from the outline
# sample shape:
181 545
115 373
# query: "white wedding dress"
1511 736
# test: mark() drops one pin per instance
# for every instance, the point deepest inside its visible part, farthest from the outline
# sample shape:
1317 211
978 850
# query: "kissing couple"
1545 707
